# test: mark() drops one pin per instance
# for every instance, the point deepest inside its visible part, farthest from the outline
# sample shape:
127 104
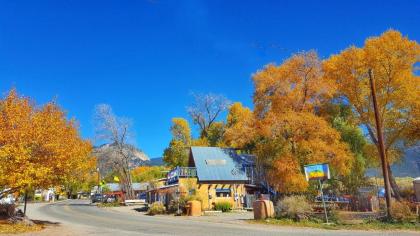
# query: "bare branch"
206 109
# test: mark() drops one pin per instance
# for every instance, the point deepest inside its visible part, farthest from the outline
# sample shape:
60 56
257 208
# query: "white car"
9 199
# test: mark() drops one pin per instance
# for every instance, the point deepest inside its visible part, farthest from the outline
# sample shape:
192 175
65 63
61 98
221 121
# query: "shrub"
7 210
407 193
156 208
401 212
294 207
183 200
223 206
109 204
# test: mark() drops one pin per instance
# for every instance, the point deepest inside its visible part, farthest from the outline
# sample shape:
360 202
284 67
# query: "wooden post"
323 201
381 146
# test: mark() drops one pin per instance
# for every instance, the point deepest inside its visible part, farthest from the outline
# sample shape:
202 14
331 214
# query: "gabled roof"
219 164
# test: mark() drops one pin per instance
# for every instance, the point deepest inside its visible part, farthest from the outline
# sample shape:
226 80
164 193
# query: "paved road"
77 217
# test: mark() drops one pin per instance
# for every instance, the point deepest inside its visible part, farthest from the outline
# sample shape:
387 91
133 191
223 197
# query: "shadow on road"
46 222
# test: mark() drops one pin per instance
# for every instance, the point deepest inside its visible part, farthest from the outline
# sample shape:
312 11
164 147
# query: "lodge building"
213 175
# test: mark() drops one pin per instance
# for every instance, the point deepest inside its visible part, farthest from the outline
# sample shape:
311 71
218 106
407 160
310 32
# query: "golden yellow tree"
290 134
177 152
239 126
39 147
392 57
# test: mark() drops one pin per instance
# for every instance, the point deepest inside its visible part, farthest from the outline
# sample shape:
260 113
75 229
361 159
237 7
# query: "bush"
401 212
407 193
109 204
183 200
7 210
157 208
223 206
293 207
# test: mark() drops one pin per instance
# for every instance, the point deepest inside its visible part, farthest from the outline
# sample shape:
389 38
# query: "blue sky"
144 58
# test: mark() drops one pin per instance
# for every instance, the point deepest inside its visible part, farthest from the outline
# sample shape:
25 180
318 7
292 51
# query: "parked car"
9 199
38 195
109 198
97 197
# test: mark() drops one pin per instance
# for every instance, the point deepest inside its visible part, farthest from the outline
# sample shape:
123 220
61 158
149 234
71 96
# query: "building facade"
213 175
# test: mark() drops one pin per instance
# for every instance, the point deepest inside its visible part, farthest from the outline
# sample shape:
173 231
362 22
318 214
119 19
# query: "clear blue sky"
145 57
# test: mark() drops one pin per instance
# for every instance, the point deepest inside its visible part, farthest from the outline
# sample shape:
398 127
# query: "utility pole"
381 146
99 179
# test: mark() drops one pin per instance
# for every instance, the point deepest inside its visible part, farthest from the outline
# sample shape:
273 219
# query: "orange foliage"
392 58
239 128
286 98
39 147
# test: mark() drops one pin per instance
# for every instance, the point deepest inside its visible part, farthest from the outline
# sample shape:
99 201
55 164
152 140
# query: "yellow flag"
116 179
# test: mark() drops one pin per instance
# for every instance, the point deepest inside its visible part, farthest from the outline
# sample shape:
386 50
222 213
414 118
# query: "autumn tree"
290 133
116 131
177 152
240 130
148 173
341 117
215 134
392 58
82 179
39 146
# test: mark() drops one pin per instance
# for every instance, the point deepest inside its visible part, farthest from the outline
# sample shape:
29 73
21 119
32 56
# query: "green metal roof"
218 164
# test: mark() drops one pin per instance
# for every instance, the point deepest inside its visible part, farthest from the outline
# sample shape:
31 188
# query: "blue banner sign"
317 172
172 176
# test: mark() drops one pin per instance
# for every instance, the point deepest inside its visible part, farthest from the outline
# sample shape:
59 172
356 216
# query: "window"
222 192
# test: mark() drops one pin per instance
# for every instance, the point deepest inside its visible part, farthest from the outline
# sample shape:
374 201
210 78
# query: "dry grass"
366 225
7 228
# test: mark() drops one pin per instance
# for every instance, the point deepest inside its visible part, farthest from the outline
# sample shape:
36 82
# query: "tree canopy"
41 147
392 58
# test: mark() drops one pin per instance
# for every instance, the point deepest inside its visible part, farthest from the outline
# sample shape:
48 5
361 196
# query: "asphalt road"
78 217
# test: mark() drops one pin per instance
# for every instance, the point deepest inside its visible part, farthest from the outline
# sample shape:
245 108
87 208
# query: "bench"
135 202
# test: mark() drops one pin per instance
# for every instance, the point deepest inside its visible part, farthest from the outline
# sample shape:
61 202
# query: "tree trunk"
26 201
394 186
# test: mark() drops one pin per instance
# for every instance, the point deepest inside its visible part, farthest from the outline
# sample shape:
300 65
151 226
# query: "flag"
116 179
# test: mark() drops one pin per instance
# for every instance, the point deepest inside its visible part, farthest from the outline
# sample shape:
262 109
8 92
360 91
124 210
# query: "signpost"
319 172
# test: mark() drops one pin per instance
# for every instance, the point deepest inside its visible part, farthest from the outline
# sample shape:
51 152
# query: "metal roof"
219 164
115 187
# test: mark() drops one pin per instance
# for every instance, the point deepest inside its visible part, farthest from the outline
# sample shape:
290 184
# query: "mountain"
107 154
409 166
157 161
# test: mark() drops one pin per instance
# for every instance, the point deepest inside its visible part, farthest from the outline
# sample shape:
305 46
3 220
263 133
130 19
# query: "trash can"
263 209
194 208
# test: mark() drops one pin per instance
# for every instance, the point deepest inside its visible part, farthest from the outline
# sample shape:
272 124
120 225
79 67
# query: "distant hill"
106 154
158 161
409 166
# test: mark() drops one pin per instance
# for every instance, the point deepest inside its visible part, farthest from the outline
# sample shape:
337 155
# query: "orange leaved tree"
39 146
289 132
392 58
